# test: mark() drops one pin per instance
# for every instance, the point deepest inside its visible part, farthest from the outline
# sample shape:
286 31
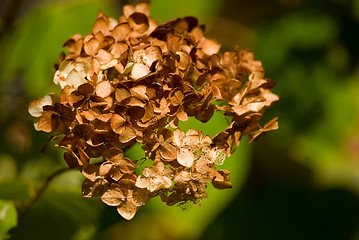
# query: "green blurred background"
299 182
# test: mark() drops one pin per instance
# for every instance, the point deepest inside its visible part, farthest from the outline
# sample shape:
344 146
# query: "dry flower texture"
132 81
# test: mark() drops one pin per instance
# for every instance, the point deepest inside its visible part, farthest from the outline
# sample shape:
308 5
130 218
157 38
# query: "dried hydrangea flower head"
131 80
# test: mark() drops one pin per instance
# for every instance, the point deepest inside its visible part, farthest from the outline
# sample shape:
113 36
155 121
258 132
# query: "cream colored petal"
110 64
82 67
75 79
142 182
139 70
155 184
185 157
59 78
167 182
36 125
36 106
66 66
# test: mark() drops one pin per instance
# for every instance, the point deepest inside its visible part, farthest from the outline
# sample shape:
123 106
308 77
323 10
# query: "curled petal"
36 106
121 31
139 22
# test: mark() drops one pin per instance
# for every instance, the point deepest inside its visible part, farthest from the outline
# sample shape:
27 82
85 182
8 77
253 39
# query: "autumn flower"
132 81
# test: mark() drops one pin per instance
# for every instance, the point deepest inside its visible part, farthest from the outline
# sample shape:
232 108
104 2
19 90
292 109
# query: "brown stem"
41 191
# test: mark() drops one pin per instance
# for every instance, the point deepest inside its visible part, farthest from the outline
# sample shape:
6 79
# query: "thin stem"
143 161
41 192
227 120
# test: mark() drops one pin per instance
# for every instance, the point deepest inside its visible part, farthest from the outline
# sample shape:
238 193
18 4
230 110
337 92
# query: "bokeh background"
299 182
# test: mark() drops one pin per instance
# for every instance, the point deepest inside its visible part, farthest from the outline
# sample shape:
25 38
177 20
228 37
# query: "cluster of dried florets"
132 81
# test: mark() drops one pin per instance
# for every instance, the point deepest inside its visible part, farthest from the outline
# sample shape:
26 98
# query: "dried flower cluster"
133 81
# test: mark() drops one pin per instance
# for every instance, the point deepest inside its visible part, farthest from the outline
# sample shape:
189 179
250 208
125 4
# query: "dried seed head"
133 81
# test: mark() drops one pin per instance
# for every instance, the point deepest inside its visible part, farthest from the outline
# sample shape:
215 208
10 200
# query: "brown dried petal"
100 25
184 60
122 95
126 165
89 114
176 98
128 181
197 34
248 108
105 168
86 89
149 113
136 112
113 196
139 91
121 31
140 197
104 56
104 89
220 139
167 151
116 123
47 122
181 114
91 189
128 10
221 184
117 49
126 134
202 165
127 210
91 172
209 46
153 53
271 125
71 160
142 181
206 114
139 22
83 131
222 181
74 44
92 47
143 7
84 158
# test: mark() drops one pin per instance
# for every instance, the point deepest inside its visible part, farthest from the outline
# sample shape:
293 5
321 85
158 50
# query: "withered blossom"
131 80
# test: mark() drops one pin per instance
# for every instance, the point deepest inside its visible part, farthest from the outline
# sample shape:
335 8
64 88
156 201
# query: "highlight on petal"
185 157
139 70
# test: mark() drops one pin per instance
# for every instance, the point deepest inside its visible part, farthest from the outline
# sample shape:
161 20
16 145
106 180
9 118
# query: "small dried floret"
131 80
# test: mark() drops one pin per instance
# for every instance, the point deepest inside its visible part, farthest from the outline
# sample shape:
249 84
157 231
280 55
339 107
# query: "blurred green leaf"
60 213
299 30
164 10
16 190
37 42
8 168
8 217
